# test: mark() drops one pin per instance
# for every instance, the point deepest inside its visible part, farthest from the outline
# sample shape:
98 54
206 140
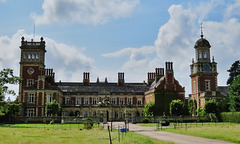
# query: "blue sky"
105 37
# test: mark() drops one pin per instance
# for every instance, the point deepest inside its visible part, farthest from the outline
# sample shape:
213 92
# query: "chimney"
151 77
86 80
169 72
159 72
120 78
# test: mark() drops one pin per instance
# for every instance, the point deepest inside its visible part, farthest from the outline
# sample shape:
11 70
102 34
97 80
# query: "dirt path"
171 137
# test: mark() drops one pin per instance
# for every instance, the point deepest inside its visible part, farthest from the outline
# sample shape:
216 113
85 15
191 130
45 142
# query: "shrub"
167 122
88 124
145 120
230 117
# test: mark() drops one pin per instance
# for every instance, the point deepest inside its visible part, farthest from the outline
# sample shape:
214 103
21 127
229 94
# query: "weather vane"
201 31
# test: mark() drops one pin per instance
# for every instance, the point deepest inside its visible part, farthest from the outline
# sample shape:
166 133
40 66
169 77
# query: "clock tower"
203 73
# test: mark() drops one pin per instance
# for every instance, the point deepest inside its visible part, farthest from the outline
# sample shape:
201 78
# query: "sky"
105 37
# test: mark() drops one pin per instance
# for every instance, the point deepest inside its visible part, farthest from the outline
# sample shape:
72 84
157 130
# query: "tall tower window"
200 54
207 85
204 54
30 82
31 98
49 98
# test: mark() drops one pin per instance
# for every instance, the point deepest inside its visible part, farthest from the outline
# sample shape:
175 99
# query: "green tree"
176 107
200 111
53 108
149 109
210 106
234 95
234 71
190 106
7 77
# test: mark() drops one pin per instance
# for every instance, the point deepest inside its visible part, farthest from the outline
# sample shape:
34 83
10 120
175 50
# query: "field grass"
220 131
67 134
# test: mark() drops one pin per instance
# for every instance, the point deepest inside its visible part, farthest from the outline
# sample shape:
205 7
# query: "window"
194 86
67 101
114 101
94 101
205 54
30 82
139 102
85 115
121 101
86 101
116 115
30 112
31 98
37 57
129 100
29 55
200 54
207 85
78 101
49 98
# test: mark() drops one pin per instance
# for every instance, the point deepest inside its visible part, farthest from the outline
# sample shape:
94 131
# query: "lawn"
67 134
221 131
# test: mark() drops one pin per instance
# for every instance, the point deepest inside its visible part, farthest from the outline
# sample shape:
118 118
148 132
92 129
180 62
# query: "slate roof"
103 87
223 90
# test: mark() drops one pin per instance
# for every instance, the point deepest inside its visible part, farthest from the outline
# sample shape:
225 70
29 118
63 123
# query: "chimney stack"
169 72
151 77
159 72
120 78
86 80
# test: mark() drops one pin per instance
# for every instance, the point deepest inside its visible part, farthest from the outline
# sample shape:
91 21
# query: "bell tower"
203 73
31 65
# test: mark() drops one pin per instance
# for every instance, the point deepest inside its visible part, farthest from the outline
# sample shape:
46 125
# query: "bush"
145 120
167 122
88 124
51 122
230 117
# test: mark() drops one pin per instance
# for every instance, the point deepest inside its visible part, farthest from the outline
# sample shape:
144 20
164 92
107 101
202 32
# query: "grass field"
67 134
221 131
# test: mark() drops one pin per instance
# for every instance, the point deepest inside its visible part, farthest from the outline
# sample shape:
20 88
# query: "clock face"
30 70
206 67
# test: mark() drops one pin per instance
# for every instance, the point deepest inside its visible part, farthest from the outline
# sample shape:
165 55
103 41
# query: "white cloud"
84 11
233 9
67 61
176 41
2 1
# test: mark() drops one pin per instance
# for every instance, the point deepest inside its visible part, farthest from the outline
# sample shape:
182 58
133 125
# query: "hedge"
230 117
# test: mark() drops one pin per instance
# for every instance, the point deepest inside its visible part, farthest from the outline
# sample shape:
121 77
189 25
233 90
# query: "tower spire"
201 31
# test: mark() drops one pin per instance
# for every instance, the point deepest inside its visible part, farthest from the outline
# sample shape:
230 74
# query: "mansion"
110 100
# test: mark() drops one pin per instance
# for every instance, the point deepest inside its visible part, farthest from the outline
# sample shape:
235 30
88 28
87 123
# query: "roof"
202 43
103 88
223 90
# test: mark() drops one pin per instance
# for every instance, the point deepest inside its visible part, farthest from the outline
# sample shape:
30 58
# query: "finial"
192 60
22 39
213 58
201 31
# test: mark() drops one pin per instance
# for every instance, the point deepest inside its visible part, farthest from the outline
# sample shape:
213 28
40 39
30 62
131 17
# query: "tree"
7 110
234 71
234 95
210 106
176 107
149 109
52 108
190 106
7 77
